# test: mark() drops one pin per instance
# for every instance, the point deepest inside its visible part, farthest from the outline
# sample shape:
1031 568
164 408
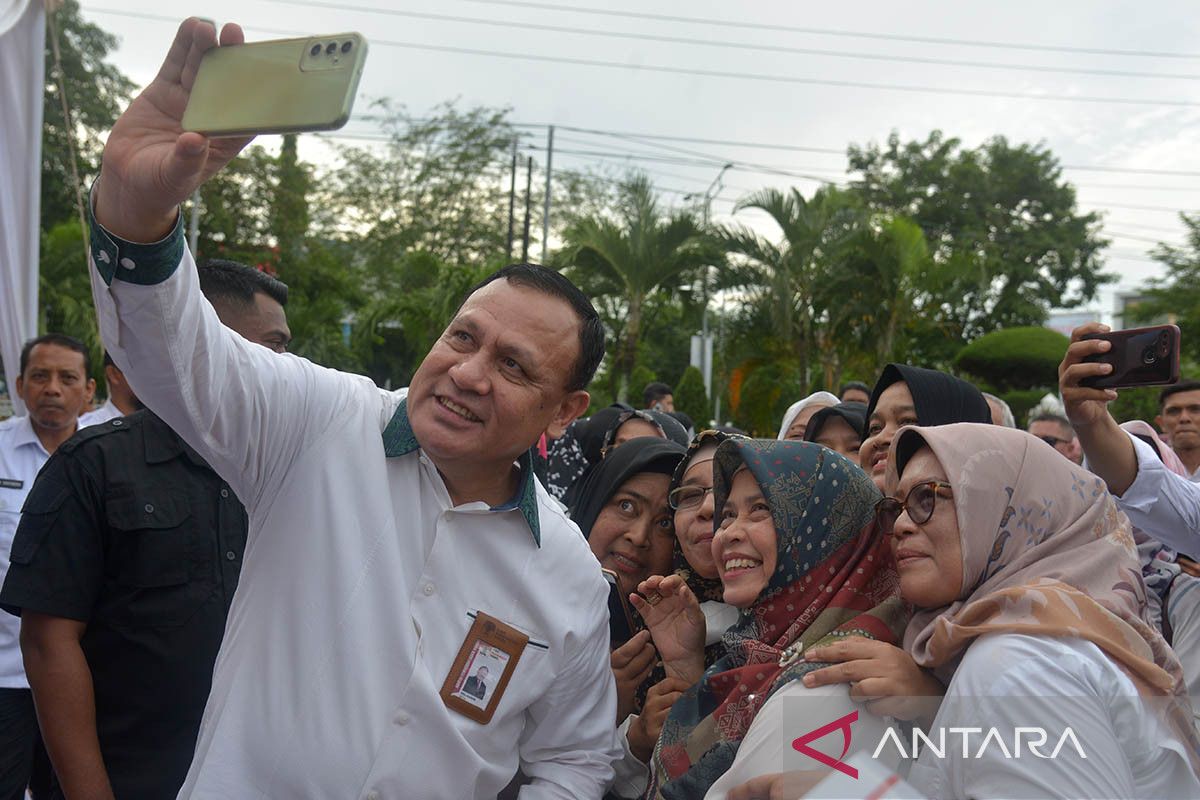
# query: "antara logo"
1033 738
800 745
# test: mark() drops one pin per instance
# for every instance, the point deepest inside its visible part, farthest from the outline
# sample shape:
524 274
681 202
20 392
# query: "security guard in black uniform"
123 570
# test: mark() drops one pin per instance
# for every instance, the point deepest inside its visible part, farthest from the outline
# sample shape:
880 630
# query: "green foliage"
1000 218
638 379
1015 358
626 259
65 291
1177 295
96 92
1134 404
1022 401
691 399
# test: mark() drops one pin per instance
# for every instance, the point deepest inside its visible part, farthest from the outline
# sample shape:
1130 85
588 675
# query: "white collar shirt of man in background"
102 414
361 576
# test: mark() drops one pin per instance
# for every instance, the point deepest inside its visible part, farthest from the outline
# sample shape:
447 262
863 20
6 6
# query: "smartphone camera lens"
316 50
331 48
1164 345
1149 357
346 46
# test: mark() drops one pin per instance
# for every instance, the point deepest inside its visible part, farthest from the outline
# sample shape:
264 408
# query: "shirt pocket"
155 560
534 671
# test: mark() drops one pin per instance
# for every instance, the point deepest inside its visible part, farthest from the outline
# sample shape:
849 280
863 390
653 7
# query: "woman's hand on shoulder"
646 726
884 676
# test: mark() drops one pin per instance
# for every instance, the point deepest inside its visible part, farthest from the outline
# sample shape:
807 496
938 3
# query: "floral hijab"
834 578
1044 552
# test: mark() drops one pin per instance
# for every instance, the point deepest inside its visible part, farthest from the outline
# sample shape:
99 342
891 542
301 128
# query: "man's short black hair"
1058 419
547 281
237 283
61 340
848 385
1176 388
654 392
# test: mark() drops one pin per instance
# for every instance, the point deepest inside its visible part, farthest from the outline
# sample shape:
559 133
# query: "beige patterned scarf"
1045 551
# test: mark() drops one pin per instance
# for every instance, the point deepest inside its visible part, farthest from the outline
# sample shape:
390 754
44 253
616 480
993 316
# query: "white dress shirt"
21 458
361 576
102 414
1165 506
1052 683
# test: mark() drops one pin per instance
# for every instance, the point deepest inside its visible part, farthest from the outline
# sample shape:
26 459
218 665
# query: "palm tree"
789 275
628 257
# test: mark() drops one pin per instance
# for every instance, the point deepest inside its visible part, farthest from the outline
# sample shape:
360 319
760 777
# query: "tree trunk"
633 333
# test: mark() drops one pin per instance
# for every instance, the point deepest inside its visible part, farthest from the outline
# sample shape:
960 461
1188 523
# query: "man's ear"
91 389
572 407
20 384
1157 420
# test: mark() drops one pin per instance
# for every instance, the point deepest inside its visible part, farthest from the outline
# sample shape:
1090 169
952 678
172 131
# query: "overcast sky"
1148 149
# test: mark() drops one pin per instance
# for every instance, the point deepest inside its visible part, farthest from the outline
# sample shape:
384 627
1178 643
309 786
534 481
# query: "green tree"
691 399
627 258
1177 294
1000 218
65 292
96 91
788 276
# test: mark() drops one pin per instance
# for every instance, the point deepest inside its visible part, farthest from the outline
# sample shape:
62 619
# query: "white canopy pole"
22 84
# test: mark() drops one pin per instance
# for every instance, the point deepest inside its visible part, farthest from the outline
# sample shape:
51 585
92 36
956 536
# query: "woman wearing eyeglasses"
799 553
1028 604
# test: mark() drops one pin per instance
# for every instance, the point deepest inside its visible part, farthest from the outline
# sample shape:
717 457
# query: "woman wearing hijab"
906 395
1028 601
624 514
798 552
570 454
839 428
796 418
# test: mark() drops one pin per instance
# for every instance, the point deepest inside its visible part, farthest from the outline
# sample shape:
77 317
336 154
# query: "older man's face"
54 387
497 378
1056 436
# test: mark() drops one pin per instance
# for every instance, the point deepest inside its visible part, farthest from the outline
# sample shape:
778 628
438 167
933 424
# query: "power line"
729 75
895 37
756 47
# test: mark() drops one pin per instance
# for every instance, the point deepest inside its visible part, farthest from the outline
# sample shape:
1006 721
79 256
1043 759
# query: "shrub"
691 399
1015 358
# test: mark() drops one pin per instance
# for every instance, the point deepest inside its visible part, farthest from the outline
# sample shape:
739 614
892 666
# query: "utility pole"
546 210
528 191
512 201
712 191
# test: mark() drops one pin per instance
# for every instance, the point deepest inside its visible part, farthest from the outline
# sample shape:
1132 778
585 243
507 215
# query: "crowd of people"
249 576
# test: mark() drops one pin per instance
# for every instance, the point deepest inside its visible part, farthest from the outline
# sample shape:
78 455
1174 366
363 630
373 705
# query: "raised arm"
245 409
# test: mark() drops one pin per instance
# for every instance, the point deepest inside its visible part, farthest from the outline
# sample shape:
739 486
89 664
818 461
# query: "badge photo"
483 667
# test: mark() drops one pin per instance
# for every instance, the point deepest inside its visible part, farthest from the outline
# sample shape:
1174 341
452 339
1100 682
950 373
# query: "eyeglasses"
919 504
1054 441
686 498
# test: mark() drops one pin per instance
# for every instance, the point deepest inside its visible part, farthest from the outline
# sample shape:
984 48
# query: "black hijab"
644 454
939 399
855 415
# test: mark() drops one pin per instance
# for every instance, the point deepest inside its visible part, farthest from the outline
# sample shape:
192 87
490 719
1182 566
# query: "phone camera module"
315 51
331 48
346 46
1164 345
1149 357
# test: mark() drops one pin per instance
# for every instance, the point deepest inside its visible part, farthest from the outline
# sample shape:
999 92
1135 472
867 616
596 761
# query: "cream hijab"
816 398
1045 551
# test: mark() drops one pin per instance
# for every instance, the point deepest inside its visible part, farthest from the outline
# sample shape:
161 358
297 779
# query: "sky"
755 73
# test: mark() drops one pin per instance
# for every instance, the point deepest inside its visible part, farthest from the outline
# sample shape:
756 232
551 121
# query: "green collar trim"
399 440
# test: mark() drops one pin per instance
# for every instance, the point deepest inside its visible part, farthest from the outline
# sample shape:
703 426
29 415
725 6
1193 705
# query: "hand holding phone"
1139 357
281 86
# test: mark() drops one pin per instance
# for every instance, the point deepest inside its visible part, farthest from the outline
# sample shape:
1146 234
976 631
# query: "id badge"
483 667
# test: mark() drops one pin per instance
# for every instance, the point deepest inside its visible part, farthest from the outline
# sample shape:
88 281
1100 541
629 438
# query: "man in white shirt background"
1179 419
55 387
390 532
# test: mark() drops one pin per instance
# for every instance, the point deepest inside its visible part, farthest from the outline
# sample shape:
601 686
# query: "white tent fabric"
22 37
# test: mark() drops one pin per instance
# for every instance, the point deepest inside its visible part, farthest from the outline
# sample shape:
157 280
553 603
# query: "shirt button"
224 493
232 556
372 795
149 508
427 589
402 718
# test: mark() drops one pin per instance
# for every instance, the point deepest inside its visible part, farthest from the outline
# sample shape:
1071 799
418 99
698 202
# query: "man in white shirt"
121 400
1179 418
394 536
55 387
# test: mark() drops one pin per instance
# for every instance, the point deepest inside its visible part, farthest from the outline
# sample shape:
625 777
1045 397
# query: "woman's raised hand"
631 664
672 613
